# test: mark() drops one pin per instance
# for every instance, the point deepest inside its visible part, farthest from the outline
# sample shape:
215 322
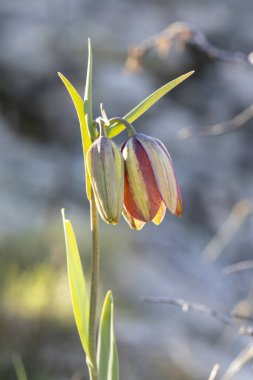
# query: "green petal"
163 170
106 169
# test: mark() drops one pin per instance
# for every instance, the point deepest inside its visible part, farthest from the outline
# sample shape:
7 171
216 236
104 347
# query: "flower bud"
105 167
150 181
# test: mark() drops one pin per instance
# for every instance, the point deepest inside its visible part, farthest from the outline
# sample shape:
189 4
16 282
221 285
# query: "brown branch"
184 34
227 320
219 129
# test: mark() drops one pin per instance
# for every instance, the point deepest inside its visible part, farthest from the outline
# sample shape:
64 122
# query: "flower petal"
142 198
179 210
163 170
105 168
134 224
160 215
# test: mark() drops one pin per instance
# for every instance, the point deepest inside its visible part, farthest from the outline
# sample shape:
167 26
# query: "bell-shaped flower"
105 167
150 182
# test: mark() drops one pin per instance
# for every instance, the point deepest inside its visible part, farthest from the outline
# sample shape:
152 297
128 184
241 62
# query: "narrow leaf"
86 140
77 284
107 355
88 93
19 367
142 107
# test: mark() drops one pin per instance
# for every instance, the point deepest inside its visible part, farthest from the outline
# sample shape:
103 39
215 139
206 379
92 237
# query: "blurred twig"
238 267
181 33
239 362
228 230
214 372
227 320
242 317
219 129
186 306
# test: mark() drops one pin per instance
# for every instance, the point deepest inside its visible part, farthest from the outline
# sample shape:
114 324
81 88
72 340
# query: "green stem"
94 287
130 129
100 121
104 116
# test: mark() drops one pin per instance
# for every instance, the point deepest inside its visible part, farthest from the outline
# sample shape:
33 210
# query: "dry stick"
239 362
242 317
184 34
238 267
214 372
219 129
227 231
186 306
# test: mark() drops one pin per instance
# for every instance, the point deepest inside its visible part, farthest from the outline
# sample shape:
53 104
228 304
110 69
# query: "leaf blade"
88 93
19 367
143 106
77 284
107 354
80 110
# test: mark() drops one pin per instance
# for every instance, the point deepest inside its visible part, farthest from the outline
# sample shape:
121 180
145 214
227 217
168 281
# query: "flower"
105 167
150 184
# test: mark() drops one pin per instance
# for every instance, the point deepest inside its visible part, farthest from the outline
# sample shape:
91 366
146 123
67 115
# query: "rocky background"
41 170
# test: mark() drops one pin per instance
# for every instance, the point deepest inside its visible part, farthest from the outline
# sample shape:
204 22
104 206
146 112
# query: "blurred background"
41 171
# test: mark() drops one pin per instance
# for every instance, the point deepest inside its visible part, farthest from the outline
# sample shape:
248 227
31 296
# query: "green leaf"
77 284
19 367
86 140
107 355
142 107
88 94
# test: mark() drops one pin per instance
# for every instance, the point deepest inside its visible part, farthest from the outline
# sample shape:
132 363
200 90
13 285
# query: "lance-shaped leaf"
86 140
19 367
142 107
107 355
77 284
88 94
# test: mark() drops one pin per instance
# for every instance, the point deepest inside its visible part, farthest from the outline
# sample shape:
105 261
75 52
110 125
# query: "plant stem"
130 129
94 286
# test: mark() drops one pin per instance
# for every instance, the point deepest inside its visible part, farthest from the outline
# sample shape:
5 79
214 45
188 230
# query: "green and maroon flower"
150 184
106 171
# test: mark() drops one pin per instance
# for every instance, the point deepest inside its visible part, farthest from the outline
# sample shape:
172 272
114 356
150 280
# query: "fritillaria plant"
136 180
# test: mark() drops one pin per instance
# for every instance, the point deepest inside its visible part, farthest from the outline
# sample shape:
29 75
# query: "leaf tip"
89 46
63 216
109 294
187 75
109 298
62 77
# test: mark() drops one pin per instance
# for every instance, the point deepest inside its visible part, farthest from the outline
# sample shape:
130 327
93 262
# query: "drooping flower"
150 182
105 167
